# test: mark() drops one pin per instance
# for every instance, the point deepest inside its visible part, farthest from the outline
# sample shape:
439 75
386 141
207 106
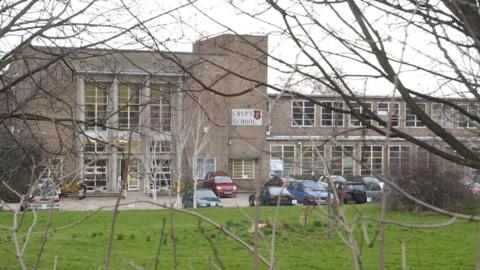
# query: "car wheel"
251 202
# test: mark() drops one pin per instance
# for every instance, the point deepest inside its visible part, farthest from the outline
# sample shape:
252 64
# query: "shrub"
429 183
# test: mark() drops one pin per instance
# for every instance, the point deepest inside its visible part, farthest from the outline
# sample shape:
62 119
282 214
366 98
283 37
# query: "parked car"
309 192
221 184
472 182
269 195
325 180
351 191
204 197
373 186
279 181
475 187
43 198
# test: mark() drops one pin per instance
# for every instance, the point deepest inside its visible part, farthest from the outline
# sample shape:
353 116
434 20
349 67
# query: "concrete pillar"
112 135
80 115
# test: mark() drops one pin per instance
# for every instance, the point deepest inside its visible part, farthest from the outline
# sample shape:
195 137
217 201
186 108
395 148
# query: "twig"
162 238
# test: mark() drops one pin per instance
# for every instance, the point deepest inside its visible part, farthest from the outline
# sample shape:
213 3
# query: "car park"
221 184
43 198
309 192
204 198
351 191
273 195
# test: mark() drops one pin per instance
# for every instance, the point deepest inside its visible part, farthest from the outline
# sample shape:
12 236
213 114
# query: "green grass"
137 236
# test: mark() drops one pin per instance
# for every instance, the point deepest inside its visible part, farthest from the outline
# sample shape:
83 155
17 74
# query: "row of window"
304 111
312 160
241 168
129 95
156 146
95 172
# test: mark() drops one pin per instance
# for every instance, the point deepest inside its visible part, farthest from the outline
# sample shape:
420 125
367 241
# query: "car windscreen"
275 191
222 179
313 186
370 179
351 187
205 193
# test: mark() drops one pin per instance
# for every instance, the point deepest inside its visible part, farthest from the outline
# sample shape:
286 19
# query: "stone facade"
162 113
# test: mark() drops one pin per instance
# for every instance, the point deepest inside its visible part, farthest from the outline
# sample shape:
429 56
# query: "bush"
17 156
430 184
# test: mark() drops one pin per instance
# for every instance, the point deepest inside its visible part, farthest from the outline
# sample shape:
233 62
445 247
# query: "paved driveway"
131 202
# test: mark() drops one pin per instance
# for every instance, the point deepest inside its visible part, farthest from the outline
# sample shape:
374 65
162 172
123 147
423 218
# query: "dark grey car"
205 198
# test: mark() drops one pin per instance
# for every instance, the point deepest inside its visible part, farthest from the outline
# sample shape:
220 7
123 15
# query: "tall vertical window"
243 169
399 159
313 160
95 106
426 158
160 109
411 119
204 166
354 122
450 166
331 117
161 173
303 113
95 172
371 157
463 120
160 147
442 115
343 160
128 105
93 147
383 111
284 157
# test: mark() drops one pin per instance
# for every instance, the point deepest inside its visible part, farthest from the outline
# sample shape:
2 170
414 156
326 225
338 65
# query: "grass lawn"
137 235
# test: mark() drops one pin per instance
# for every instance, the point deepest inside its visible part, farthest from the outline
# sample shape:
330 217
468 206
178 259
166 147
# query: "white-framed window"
96 102
204 166
313 159
283 158
371 157
442 115
160 109
426 158
93 147
95 174
243 169
128 105
161 171
331 117
343 160
354 122
399 159
303 113
160 147
383 110
450 166
463 120
411 119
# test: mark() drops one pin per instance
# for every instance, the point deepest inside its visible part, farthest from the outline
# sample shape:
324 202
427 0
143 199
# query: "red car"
221 184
